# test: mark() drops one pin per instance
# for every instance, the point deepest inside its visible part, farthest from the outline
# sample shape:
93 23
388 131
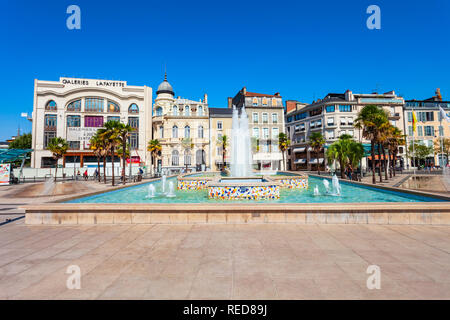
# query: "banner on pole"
5 172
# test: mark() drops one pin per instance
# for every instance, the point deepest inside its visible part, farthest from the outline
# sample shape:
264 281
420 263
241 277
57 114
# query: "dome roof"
165 87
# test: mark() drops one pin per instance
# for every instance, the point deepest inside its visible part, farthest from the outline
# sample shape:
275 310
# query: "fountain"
163 184
241 157
336 186
316 190
151 191
171 192
49 186
326 184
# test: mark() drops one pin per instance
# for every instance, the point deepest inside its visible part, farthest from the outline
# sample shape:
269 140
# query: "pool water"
350 193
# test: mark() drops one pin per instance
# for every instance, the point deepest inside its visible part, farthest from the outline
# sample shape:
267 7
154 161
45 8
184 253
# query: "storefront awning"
299 149
300 161
10 155
314 160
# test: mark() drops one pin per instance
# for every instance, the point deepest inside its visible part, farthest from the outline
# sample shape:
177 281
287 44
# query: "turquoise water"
349 193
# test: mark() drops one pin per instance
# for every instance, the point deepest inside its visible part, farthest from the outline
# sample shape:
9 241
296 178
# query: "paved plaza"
224 261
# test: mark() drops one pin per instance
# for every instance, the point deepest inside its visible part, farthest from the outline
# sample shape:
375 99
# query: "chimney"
277 94
205 98
291 105
244 91
230 102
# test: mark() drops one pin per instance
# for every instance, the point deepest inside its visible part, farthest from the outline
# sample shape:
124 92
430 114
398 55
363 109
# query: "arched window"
200 110
74 106
200 156
159 111
175 110
255 101
187 132
93 104
274 102
200 131
133 108
50 106
113 107
175 158
264 102
187 157
174 132
186 111
161 132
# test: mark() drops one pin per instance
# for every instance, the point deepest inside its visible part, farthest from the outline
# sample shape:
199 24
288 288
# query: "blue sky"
302 49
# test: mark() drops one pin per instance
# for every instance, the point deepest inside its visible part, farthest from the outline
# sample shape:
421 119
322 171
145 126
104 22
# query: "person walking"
85 175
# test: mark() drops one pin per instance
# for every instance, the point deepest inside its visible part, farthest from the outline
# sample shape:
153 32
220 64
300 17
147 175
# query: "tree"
420 151
355 153
124 132
395 139
154 147
58 147
338 151
223 143
21 142
283 145
316 142
99 149
371 119
187 145
111 136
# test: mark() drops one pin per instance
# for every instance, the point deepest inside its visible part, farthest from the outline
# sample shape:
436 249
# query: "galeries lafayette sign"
80 134
93 83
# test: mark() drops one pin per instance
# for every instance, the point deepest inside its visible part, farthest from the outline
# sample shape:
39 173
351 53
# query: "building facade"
266 120
220 124
431 128
75 109
182 127
334 116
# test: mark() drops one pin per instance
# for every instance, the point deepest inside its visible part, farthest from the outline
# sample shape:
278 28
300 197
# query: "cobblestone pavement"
224 261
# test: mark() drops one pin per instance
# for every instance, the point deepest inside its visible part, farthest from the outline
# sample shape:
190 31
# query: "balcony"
394 116
49 128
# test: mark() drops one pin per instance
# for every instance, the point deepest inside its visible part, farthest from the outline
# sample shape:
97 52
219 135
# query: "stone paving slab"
224 261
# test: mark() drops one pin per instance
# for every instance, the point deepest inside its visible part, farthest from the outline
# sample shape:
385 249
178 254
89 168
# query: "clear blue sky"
302 49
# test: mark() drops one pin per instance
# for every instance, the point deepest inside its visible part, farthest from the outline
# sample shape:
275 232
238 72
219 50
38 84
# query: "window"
312 124
350 132
265 133
200 111
265 146
74 145
265 118
200 132
275 132
186 111
274 117
113 107
274 102
315 112
74 106
133 122
48 136
175 158
441 131
159 112
264 102
330 134
255 102
301 116
219 125
175 110
219 151
187 157
187 132
319 123
133 108
50 106
174 132
425 116
330 108
350 120
161 132
93 105
256 132
255 117
50 121
93 121
73 121
420 131
112 118
410 130
133 140
330 122
290 119
345 108
343 121
429 130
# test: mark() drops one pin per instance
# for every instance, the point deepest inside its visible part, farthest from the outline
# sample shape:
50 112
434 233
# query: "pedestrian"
85 175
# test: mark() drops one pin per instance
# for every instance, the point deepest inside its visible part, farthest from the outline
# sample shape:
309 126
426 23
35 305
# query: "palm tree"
338 151
370 119
124 156
98 147
316 142
58 147
124 132
223 143
154 147
283 145
395 139
187 145
355 153
111 136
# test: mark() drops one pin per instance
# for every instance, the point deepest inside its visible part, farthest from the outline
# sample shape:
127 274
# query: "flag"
414 121
444 116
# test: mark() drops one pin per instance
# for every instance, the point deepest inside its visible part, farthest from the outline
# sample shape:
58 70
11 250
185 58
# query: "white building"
75 109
